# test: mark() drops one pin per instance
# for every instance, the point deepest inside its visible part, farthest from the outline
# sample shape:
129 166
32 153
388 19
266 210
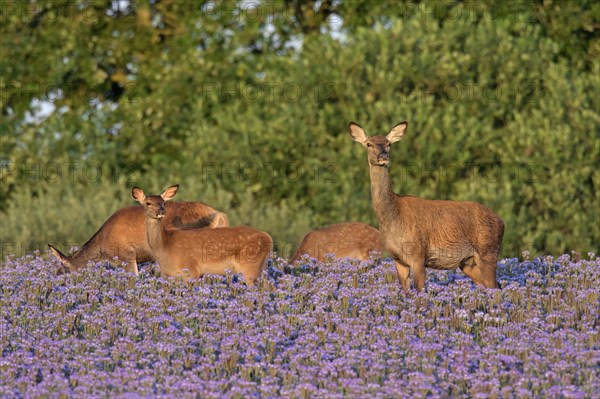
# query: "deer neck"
89 252
154 235
383 197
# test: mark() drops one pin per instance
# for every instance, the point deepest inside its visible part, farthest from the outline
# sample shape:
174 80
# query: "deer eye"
148 203
369 145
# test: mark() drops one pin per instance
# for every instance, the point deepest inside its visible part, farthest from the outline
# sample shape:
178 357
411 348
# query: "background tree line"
246 105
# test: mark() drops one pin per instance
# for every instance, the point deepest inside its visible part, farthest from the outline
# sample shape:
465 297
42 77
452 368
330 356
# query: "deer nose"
384 156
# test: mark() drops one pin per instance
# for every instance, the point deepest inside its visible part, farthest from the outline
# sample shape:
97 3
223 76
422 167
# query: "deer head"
378 147
66 264
154 204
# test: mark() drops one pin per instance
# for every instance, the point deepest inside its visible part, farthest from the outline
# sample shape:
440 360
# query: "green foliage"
246 104
65 215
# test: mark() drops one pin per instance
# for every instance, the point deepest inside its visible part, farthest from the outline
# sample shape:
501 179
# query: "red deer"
344 240
192 253
421 233
123 235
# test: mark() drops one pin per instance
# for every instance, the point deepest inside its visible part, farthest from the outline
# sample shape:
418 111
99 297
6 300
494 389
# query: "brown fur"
192 252
344 240
123 235
421 233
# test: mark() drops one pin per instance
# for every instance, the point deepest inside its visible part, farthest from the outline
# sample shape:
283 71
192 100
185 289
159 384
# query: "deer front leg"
419 276
403 274
132 267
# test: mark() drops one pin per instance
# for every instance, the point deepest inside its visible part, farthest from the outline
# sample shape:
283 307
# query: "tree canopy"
247 103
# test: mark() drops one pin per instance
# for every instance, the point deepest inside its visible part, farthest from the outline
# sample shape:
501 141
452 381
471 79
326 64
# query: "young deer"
240 249
421 233
123 235
344 240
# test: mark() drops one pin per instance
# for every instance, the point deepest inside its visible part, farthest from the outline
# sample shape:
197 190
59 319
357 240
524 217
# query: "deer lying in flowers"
123 235
344 240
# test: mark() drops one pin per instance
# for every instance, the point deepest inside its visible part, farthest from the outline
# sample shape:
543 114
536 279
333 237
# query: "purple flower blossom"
334 330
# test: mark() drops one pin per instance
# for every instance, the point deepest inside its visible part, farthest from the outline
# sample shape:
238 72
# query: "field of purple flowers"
336 330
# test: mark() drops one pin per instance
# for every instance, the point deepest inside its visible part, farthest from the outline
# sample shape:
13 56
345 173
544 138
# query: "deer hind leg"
250 275
250 280
482 270
250 272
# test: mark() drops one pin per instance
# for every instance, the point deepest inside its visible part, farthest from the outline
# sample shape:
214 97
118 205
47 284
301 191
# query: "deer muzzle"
383 158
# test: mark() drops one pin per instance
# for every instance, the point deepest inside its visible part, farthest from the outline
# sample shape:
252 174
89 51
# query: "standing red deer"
193 253
123 235
421 233
344 240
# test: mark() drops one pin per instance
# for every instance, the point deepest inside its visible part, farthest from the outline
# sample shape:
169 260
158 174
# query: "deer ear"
357 133
138 194
169 192
397 132
58 255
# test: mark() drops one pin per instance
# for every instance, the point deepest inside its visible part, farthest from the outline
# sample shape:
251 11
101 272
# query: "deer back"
239 249
351 239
